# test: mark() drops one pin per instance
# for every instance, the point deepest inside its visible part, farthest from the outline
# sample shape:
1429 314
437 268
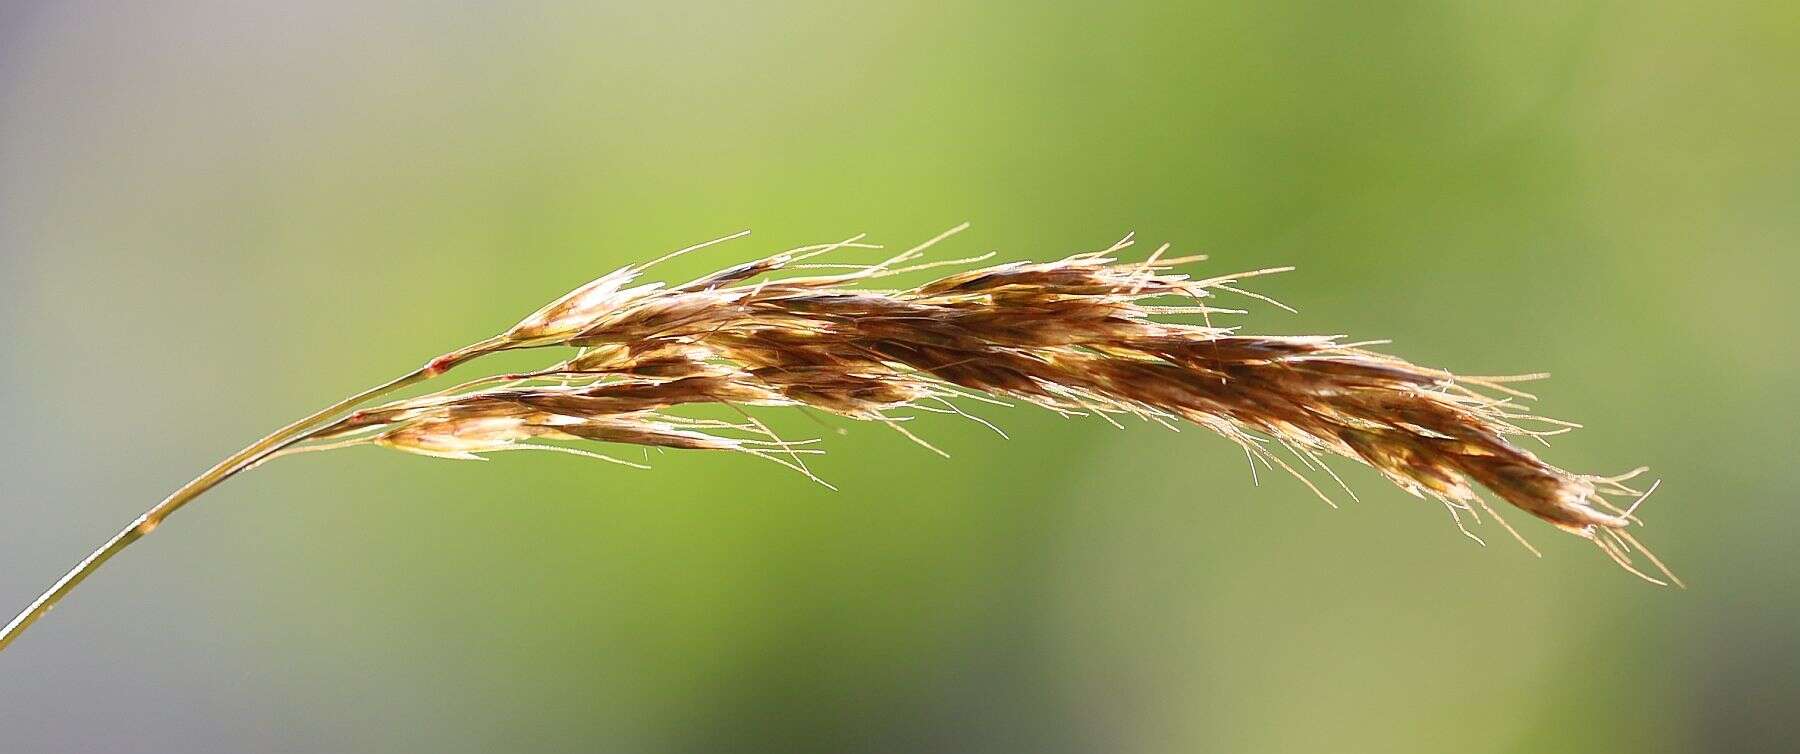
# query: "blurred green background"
216 216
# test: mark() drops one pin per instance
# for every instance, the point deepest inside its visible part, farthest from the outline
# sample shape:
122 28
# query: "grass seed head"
1084 335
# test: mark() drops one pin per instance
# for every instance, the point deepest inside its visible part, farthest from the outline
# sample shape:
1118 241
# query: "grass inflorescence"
1087 335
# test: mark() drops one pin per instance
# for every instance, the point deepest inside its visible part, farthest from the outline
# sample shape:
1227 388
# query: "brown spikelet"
1087 335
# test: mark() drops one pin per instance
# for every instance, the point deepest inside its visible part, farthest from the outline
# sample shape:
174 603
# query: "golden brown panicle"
1085 335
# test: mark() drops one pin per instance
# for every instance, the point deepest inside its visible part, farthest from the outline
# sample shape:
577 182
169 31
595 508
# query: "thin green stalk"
250 456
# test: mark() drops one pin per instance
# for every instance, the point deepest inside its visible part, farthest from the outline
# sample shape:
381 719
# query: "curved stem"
223 470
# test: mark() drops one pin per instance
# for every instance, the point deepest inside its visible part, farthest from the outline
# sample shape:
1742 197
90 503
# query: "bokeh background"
216 216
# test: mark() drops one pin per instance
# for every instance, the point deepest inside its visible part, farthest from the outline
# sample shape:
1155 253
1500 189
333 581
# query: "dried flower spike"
1087 335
